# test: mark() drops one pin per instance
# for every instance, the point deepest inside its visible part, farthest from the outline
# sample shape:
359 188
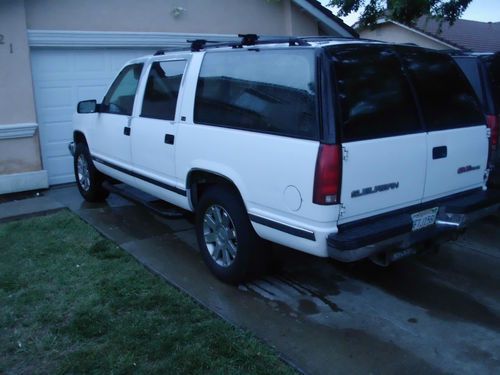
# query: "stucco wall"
15 72
197 16
16 90
392 33
19 155
302 22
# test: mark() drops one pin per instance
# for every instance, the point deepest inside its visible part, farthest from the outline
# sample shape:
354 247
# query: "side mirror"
87 106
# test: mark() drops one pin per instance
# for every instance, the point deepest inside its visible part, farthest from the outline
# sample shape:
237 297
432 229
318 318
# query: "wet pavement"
435 313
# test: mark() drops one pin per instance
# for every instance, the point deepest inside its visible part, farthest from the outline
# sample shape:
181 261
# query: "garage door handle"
169 139
126 130
439 152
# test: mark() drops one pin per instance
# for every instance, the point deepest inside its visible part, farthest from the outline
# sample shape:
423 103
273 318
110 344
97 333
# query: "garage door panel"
96 92
46 62
55 97
57 132
57 149
62 77
50 115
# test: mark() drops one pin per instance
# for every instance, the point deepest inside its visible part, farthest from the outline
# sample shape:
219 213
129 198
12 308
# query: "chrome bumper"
448 226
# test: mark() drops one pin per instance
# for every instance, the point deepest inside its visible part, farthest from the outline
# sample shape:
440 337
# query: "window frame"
142 90
114 84
316 52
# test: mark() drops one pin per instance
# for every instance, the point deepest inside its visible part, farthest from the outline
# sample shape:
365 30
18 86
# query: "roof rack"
252 40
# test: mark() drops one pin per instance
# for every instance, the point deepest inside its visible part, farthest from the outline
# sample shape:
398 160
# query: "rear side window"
493 67
471 70
265 91
162 89
374 94
446 97
120 97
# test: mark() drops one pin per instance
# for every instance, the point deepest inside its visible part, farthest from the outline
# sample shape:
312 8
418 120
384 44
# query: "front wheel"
229 245
88 178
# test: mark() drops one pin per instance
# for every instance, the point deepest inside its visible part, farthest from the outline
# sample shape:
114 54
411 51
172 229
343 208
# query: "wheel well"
78 137
198 181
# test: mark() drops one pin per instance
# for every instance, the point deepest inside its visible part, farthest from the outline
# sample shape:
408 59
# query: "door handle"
126 130
439 152
169 139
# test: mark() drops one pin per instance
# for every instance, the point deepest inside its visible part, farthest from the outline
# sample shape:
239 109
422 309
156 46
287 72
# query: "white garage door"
62 77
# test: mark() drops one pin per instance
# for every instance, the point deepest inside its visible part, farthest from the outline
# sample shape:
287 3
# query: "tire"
228 243
88 179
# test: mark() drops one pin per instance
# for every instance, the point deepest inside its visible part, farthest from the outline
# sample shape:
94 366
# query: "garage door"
61 78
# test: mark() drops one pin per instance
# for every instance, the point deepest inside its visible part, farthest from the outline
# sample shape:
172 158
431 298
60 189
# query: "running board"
158 206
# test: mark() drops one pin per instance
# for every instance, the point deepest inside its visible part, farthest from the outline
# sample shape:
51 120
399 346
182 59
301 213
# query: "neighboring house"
462 35
55 53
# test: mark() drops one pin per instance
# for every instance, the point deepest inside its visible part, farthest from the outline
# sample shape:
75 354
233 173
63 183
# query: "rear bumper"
366 238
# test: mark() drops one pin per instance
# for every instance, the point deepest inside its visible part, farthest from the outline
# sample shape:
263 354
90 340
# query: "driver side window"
120 97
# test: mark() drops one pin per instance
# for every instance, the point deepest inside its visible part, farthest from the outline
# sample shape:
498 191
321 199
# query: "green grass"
74 302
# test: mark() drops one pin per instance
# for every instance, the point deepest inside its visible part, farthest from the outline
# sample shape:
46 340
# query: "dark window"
265 91
375 96
470 67
493 67
121 94
446 97
162 89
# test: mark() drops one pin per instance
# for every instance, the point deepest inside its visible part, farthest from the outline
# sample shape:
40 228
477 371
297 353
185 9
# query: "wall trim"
16 182
22 130
92 39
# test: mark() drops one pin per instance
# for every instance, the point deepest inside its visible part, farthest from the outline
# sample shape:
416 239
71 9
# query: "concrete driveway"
438 313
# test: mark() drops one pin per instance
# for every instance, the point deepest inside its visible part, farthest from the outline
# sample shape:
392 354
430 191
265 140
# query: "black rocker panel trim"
142 177
283 227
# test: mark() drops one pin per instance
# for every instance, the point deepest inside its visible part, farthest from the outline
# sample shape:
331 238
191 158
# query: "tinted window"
471 70
162 89
120 97
446 97
375 96
493 66
265 91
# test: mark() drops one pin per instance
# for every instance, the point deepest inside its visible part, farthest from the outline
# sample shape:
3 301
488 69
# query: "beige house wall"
178 16
20 159
16 91
389 32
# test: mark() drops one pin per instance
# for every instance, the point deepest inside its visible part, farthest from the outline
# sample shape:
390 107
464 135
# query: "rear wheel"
88 179
228 243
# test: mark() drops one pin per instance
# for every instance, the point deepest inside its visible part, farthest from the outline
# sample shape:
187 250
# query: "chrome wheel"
220 235
83 173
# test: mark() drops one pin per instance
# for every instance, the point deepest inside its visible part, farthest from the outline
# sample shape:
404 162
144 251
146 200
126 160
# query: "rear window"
375 96
493 66
446 97
271 91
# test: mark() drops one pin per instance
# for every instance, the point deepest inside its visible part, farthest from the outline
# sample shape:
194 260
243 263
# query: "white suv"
339 148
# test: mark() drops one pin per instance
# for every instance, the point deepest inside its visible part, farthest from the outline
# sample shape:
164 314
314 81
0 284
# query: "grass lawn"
74 302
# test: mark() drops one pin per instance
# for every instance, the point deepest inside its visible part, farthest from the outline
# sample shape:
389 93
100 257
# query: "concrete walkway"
436 314
18 209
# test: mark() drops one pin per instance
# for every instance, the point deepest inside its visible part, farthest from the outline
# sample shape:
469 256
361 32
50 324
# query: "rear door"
457 140
383 142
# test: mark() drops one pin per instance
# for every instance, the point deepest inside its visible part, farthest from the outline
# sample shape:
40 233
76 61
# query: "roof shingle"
468 35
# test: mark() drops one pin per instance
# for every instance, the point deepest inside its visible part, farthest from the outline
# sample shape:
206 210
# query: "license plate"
424 218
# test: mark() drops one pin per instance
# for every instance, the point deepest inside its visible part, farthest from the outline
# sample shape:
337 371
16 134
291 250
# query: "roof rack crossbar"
197 45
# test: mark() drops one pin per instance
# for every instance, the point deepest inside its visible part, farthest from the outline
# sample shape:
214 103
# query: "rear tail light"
327 175
493 123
